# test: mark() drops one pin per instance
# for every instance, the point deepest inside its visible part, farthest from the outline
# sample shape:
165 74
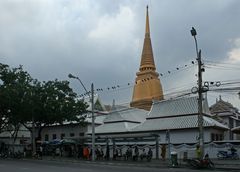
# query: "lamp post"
200 91
93 117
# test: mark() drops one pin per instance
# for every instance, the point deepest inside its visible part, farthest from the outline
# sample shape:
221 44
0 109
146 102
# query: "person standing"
163 152
40 152
198 152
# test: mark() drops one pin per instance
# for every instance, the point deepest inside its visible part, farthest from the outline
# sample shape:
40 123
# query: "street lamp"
200 91
93 118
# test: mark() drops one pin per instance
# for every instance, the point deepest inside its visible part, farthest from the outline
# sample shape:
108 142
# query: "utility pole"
200 97
33 137
93 124
169 145
93 117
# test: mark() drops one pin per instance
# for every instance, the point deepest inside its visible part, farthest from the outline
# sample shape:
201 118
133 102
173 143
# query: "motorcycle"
3 155
201 163
227 155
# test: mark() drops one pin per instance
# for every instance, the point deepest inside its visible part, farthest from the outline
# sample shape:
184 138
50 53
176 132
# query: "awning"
68 141
55 142
236 130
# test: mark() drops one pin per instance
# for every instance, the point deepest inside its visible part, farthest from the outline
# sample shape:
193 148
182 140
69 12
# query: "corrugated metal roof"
180 122
180 106
122 120
169 114
118 127
128 114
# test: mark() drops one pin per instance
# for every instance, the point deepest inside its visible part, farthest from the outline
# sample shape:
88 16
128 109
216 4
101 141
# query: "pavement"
231 165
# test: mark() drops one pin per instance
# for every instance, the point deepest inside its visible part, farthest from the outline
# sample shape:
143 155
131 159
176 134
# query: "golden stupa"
147 83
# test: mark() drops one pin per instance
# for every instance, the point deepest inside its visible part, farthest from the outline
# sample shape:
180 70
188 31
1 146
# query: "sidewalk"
219 164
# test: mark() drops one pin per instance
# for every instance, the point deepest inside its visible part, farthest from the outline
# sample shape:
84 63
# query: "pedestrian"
107 156
85 153
136 153
163 152
143 155
40 152
24 152
198 152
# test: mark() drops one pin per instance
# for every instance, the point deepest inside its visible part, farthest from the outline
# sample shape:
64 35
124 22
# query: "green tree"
54 102
27 101
14 84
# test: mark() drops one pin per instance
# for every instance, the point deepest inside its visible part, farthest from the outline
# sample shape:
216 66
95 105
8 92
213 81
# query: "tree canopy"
24 100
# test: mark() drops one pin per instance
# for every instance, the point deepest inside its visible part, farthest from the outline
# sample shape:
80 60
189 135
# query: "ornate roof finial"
147 24
113 105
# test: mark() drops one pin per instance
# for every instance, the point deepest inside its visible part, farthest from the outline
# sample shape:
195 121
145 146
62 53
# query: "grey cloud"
51 39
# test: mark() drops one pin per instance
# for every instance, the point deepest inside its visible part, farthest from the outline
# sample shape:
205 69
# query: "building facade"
228 115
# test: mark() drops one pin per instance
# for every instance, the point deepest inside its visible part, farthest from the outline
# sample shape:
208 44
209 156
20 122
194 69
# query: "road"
49 166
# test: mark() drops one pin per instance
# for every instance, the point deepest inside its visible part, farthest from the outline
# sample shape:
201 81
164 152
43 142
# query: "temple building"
228 115
152 121
147 83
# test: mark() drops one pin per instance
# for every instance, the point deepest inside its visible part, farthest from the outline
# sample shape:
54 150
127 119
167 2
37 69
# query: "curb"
145 164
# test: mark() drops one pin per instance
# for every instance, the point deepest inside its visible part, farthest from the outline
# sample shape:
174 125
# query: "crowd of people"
132 153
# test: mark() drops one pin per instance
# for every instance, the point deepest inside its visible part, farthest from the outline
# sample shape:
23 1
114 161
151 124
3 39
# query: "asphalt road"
48 166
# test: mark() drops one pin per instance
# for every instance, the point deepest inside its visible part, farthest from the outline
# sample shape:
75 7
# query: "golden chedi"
147 83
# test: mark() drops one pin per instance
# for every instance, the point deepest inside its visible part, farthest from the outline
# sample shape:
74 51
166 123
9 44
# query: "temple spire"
147 86
147 31
147 60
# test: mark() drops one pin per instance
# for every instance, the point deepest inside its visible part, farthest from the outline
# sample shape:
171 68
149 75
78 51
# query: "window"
220 137
46 137
81 134
72 134
212 137
62 135
54 136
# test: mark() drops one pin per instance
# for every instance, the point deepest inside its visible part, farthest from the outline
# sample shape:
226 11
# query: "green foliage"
24 100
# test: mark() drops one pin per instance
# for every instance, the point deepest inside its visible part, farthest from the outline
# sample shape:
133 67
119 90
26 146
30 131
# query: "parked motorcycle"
3 155
227 155
201 163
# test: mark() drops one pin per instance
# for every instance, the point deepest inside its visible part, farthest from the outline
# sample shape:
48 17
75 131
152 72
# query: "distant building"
152 121
228 115
73 129
17 141
177 116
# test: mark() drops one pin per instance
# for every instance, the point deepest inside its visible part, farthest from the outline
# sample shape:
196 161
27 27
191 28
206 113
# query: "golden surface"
147 83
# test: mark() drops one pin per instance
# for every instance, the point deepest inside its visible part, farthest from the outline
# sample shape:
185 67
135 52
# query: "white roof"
180 122
127 114
118 127
181 113
98 119
180 106
122 120
178 113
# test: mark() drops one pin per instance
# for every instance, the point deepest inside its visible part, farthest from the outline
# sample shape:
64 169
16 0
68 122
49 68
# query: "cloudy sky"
100 41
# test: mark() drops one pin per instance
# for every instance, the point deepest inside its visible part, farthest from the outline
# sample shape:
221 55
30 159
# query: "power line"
217 62
221 65
118 87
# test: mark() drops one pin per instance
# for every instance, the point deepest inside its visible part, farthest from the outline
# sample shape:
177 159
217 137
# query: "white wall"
66 129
